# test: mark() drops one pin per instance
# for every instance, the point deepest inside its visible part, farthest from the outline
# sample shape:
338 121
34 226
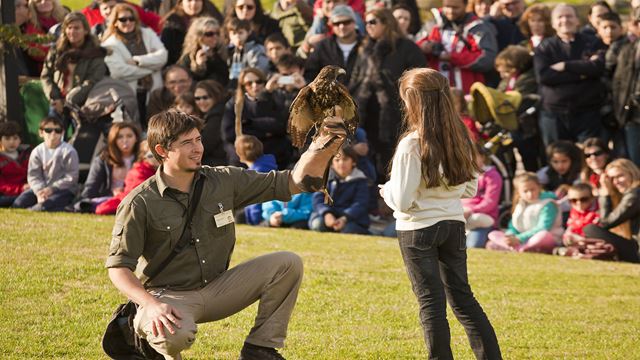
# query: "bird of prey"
317 101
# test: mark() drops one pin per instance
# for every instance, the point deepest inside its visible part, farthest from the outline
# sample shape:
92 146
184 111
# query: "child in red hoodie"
584 211
140 171
14 162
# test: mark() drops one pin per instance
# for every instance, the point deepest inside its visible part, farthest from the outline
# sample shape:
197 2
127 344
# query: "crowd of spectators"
240 67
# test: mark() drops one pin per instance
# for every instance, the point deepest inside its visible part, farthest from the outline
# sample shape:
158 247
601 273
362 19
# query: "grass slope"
355 301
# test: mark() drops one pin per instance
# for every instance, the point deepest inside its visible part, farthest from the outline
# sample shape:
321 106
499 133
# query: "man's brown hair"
165 128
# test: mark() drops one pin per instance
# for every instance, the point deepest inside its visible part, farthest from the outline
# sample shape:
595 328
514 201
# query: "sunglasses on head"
595 153
343 22
253 82
245 6
125 19
372 22
210 33
203 97
50 130
583 200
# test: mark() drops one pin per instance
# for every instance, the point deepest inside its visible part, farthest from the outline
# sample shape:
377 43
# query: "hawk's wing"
349 109
301 117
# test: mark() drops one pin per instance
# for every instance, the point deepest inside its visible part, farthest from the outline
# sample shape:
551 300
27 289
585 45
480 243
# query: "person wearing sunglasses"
136 54
262 117
210 98
52 173
385 54
262 25
596 156
204 53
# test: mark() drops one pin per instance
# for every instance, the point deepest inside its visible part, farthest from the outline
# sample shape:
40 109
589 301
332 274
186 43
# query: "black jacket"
327 52
214 154
624 85
98 183
216 69
576 89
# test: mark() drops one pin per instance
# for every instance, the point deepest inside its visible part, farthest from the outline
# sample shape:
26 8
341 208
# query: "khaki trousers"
274 279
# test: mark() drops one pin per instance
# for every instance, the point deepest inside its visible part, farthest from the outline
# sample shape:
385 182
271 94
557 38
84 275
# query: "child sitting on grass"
53 171
14 162
347 187
536 224
251 153
293 214
584 211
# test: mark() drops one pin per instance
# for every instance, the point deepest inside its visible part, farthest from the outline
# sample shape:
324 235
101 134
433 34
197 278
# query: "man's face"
453 10
10 143
177 81
52 135
22 12
609 31
344 27
512 8
564 20
185 153
596 11
275 50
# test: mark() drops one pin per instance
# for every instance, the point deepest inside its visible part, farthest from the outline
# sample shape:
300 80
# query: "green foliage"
355 301
10 35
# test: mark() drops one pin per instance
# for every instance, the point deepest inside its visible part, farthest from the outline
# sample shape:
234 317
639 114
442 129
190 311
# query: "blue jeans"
477 238
632 140
436 262
56 202
7 200
574 126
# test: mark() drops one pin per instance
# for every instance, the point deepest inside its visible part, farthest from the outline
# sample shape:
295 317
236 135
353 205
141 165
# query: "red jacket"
37 52
150 19
470 58
140 171
13 173
579 219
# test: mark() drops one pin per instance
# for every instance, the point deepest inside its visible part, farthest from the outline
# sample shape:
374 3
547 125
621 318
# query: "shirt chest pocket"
165 228
208 217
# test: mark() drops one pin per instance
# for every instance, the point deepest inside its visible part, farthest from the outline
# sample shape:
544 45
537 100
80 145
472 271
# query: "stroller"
109 101
502 114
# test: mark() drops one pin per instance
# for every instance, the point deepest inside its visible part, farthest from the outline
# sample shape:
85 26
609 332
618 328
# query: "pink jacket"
487 198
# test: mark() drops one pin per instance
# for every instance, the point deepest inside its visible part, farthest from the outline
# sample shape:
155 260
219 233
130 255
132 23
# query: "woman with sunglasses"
251 10
596 156
176 23
73 66
262 117
619 202
210 97
136 54
204 53
384 55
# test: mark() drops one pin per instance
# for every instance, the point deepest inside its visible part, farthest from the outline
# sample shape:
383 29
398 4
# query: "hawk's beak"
341 72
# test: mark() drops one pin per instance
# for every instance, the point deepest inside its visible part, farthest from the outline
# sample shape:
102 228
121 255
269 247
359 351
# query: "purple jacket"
487 199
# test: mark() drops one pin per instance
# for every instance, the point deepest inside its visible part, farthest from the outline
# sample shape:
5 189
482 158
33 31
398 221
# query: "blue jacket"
298 209
350 198
265 163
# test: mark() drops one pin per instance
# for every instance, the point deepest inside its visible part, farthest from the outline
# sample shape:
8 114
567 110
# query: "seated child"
584 211
361 146
141 170
243 51
53 171
292 214
565 165
14 162
536 224
347 187
250 152
481 211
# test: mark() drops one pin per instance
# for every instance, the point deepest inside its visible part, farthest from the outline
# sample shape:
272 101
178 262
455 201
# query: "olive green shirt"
150 220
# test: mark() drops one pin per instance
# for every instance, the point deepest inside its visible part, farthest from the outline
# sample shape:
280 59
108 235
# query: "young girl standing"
536 222
428 179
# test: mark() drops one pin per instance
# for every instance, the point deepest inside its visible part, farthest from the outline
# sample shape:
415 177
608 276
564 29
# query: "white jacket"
414 206
149 64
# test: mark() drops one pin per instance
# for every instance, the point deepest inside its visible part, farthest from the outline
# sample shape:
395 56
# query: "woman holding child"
429 214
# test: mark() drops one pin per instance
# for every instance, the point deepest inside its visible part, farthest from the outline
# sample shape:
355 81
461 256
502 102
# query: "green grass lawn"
355 301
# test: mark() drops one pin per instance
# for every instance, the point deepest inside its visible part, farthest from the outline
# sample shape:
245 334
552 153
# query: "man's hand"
162 315
272 84
43 194
329 220
275 219
340 223
558 66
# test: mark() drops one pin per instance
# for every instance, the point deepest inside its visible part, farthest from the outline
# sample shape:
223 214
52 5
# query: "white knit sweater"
415 206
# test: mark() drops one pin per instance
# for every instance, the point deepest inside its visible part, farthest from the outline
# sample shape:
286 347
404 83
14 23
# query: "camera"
285 80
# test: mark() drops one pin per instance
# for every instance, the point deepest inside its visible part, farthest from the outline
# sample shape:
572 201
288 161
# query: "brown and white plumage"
317 101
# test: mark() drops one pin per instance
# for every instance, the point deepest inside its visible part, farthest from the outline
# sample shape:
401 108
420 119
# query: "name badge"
224 218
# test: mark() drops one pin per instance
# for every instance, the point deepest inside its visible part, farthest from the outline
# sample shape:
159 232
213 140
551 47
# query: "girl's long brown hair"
444 140
111 153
